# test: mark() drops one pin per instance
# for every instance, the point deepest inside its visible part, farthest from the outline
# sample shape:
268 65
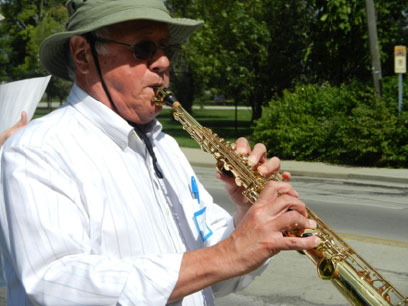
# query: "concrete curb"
315 169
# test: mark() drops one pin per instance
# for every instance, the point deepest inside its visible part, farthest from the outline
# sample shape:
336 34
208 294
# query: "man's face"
129 79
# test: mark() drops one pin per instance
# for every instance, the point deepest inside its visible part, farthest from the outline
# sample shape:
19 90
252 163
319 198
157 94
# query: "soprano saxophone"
335 260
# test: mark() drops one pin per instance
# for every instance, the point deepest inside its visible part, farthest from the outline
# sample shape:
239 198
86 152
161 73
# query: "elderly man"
98 208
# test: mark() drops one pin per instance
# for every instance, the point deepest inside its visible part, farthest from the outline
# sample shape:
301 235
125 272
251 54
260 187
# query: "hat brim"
53 48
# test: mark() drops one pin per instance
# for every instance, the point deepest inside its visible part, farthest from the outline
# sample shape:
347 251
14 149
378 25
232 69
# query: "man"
98 202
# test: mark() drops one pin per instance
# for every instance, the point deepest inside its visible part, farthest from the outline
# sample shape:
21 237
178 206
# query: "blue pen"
194 189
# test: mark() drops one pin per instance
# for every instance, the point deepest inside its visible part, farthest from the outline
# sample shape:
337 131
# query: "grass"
220 121
39 112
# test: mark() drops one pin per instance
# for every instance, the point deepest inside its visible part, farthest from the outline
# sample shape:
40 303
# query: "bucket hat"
88 15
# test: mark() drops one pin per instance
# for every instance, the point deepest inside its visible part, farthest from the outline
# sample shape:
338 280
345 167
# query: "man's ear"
81 53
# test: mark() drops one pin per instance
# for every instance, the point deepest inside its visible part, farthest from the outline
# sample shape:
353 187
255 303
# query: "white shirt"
85 219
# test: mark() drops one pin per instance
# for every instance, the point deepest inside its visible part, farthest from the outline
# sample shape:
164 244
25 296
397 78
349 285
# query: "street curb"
200 158
350 176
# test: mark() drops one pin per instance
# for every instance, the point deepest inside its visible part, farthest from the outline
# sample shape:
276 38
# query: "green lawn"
221 122
39 112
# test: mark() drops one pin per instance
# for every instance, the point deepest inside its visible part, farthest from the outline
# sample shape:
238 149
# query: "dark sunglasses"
145 49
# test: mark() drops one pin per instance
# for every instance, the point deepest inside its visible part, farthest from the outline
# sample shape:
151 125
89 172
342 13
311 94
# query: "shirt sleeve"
50 246
222 225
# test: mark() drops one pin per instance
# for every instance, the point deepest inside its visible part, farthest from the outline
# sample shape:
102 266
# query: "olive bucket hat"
88 15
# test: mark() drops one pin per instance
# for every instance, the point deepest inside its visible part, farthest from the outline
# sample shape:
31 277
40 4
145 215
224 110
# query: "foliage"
253 50
338 45
339 124
26 24
230 52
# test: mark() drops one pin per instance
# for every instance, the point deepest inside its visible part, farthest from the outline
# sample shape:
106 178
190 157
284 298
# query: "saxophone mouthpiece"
163 96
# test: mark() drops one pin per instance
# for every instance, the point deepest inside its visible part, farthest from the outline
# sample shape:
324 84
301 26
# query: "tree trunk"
374 51
256 110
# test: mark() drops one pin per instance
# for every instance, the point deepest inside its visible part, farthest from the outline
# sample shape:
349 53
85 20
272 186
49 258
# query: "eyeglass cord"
149 147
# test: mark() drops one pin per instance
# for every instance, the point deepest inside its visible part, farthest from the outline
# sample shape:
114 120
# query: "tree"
25 25
230 52
252 50
338 40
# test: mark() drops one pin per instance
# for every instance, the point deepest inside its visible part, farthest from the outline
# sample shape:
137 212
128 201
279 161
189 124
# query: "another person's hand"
7 133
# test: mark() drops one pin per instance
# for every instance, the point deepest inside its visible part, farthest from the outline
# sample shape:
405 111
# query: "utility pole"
373 42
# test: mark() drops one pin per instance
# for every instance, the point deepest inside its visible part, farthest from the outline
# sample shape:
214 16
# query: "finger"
298 243
23 119
293 221
289 221
242 146
270 166
286 176
22 122
225 178
274 189
286 203
258 155
281 205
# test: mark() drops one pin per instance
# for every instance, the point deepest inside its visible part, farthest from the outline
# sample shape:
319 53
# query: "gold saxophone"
335 260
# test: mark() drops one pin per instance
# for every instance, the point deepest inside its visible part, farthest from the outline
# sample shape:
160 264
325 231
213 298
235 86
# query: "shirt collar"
107 120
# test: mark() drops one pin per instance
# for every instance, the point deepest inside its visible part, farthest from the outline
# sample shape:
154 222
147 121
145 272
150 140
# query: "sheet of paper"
19 96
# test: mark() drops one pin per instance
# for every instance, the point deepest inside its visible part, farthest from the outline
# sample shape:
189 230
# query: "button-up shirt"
85 219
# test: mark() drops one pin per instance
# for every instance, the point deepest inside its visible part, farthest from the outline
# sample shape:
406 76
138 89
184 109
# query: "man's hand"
259 234
7 133
257 238
256 158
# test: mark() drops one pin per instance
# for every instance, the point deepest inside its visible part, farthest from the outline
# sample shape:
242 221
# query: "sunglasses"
146 49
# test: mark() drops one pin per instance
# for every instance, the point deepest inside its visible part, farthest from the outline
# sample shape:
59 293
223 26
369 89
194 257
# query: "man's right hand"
257 237
259 234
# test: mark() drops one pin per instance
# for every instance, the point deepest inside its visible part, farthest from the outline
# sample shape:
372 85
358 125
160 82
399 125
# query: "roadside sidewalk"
316 169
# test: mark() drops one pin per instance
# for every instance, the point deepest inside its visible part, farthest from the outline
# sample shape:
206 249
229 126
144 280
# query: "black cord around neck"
91 40
149 147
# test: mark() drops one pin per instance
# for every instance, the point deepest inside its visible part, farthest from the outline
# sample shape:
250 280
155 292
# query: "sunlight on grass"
221 122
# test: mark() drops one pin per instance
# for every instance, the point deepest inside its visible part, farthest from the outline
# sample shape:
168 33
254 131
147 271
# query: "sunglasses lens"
144 50
172 51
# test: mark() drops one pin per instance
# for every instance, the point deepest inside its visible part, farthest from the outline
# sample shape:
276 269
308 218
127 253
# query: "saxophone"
335 260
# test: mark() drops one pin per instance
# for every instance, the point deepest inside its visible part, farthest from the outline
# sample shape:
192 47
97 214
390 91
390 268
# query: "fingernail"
241 150
312 224
262 169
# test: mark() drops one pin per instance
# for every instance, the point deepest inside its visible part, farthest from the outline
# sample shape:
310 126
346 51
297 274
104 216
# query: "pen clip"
194 189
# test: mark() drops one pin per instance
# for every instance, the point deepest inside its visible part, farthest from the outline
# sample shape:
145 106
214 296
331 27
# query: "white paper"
19 96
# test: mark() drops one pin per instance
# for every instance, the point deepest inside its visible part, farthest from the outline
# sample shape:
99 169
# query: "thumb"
23 120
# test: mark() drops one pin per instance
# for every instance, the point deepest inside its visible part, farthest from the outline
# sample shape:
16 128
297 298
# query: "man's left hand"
257 159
